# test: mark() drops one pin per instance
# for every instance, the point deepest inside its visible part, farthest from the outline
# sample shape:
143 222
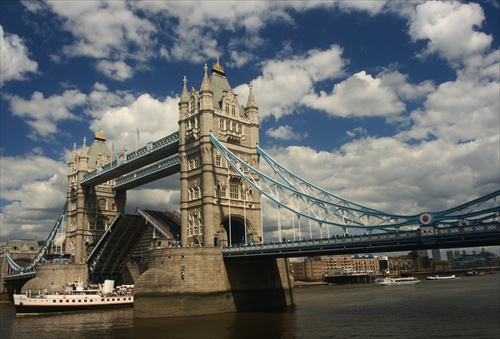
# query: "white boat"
388 281
76 297
438 277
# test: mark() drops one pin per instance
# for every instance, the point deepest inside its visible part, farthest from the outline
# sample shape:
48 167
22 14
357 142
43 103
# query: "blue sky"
394 105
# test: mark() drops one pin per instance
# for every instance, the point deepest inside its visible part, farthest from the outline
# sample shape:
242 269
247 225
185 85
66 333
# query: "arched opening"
235 231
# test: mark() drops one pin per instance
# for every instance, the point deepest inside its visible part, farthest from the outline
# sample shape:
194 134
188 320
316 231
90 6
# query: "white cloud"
44 114
292 79
34 187
399 83
450 29
160 198
360 95
357 131
117 70
284 133
121 38
153 118
14 61
107 30
451 113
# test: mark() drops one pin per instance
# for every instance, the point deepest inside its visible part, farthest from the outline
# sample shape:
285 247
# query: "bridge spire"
251 100
205 85
184 94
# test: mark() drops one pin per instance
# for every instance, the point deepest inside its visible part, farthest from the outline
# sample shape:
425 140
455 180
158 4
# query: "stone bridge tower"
90 210
218 208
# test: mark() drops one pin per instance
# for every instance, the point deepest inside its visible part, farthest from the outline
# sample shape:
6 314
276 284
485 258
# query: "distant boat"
387 281
76 297
439 277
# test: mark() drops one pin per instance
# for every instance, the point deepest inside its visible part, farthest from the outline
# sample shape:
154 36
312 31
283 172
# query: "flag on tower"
137 133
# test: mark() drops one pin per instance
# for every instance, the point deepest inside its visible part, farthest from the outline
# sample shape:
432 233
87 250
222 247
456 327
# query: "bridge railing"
423 232
324 241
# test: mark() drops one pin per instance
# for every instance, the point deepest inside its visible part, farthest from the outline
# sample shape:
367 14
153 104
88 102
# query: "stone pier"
54 278
192 281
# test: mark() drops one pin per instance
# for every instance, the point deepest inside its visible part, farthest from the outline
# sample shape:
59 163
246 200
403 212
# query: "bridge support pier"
193 281
54 278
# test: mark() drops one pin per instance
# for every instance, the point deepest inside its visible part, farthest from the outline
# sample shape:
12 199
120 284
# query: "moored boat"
439 277
388 281
76 297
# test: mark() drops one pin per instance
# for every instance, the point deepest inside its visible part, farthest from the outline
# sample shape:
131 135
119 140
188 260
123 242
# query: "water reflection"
228 325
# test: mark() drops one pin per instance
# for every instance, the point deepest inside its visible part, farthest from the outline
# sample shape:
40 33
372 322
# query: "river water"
464 308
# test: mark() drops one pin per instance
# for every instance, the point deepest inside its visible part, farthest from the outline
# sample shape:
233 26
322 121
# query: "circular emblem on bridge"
425 218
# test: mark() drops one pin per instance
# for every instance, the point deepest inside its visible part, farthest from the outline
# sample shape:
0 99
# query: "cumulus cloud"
15 62
360 95
25 179
451 113
284 133
122 39
450 29
292 79
152 117
117 70
108 31
44 114
356 131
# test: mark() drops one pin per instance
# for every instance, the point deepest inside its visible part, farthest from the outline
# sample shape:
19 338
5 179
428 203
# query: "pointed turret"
205 84
184 94
73 155
251 100
206 93
184 101
251 110
84 158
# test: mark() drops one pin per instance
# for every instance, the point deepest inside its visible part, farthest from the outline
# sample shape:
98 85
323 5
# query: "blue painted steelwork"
148 174
427 237
39 257
20 276
312 202
153 151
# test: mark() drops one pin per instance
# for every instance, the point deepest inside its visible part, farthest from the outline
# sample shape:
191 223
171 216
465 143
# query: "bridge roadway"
428 237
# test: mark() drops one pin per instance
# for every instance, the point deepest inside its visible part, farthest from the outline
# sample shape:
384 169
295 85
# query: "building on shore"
482 259
316 268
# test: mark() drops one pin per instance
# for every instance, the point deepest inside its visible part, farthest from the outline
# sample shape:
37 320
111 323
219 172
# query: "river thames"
468 307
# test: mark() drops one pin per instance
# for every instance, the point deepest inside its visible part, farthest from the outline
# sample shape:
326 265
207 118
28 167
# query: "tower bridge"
216 244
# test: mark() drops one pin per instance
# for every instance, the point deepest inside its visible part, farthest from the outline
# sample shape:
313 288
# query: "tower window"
102 204
233 191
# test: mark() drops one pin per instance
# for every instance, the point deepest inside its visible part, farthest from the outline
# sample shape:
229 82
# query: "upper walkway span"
154 151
